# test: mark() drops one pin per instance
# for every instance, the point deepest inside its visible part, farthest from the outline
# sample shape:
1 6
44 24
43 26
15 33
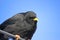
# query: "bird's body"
21 24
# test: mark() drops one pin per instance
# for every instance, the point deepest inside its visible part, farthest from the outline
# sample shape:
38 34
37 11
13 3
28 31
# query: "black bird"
23 24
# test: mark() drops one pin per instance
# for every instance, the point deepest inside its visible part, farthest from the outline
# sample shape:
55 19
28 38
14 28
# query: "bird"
23 24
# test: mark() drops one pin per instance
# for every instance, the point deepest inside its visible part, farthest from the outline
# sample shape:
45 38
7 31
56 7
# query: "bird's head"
31 17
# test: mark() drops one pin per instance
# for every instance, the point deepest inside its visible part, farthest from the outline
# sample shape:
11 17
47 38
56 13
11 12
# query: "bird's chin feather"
28 39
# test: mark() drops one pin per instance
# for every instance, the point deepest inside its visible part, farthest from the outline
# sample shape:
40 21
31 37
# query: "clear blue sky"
48 12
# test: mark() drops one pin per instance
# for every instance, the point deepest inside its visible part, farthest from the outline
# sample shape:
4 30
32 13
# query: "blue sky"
48 12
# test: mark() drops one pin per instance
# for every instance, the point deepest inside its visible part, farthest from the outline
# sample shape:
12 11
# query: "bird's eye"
31 17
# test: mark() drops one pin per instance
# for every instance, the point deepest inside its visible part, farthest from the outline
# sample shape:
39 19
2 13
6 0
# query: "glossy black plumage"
22 24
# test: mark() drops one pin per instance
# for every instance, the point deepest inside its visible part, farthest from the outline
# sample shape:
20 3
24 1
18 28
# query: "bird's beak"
35 19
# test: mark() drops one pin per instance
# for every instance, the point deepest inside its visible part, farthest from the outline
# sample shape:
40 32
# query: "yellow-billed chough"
23 24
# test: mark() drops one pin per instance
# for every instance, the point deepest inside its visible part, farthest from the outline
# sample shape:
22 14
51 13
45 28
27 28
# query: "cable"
9 34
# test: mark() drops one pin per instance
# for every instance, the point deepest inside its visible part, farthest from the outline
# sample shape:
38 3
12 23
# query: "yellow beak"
35 19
